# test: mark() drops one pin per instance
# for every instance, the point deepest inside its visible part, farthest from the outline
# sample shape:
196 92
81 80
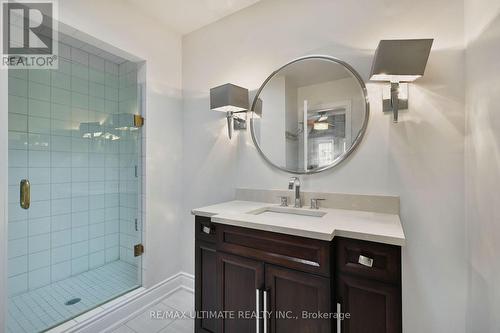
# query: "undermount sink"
282 211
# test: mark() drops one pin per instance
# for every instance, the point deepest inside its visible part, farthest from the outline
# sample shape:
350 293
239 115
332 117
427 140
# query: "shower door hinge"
138 250
138 120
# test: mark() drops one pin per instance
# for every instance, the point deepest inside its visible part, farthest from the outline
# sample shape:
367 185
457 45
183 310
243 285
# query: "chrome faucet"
295 181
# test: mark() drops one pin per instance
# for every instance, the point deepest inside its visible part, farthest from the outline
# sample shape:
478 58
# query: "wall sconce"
396 61
257 108
233 100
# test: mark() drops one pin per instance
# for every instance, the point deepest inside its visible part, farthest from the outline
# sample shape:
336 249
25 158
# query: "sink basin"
283 211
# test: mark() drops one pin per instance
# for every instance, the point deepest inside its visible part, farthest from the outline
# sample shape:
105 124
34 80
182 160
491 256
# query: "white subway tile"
17 266
61 80
79 249
39 226
39 278
96 259
41 76
79 234
39 243
60 254
39 141
39 260
60 222
20 104
80 56
80 219
39 175
61 206
79 265
17 159
39 209
112 254
96 230
61 96
61 175
61 271
39 91
16 213
17 284
18 229
39 108
18 122
40 192
18 87
60 238
18 247
97 244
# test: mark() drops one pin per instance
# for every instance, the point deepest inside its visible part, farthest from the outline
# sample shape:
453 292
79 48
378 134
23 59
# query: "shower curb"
111 316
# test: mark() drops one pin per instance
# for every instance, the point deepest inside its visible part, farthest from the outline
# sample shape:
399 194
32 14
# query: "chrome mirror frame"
356 141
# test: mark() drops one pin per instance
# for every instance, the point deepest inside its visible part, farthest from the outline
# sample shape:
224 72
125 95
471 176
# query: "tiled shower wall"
66 137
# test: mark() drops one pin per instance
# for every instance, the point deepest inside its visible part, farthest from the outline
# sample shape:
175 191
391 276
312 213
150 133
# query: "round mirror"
310 114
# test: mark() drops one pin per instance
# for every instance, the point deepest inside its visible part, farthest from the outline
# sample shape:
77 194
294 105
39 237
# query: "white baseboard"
117 312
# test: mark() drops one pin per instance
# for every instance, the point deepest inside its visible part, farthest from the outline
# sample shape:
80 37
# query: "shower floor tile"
40 309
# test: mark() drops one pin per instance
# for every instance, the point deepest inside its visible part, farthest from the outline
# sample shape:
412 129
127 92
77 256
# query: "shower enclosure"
75 213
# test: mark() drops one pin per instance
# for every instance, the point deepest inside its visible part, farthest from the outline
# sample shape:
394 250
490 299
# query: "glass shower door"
74 189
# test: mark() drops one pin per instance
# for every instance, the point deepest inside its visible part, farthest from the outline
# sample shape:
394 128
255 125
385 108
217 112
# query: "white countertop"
376 227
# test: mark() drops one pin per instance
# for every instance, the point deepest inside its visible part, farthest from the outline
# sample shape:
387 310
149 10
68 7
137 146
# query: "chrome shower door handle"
25 195
257 310
265 311
339 321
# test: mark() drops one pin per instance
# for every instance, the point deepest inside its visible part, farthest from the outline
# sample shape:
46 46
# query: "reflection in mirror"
309 115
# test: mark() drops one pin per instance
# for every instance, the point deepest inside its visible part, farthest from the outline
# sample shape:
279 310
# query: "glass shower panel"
72 135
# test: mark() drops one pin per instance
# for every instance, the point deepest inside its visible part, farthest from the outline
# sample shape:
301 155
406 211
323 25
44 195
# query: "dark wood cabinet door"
289 294
206 285
374 307
239 279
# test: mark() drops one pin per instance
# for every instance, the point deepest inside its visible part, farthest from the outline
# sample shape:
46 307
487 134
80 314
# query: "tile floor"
182 301
45 307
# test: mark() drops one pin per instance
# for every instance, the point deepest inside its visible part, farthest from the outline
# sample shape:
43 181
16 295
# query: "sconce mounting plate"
403 105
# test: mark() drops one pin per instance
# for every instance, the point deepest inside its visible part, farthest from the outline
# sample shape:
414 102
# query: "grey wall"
420 159
482 158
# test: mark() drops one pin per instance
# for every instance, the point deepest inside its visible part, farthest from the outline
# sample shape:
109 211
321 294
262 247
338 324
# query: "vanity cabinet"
291 291
368 286
240 284
244 271
205 275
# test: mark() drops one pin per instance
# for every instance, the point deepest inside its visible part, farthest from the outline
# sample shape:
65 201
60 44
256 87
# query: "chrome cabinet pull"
265 311
206 230
25 197
339 322
365 261
257 310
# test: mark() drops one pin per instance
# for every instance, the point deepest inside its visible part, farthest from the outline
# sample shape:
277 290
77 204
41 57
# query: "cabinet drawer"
368 259
303 254
204 229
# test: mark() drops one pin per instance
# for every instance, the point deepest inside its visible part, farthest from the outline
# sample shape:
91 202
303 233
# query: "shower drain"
73 301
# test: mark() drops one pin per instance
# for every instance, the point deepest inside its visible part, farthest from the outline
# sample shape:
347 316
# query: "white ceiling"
186 16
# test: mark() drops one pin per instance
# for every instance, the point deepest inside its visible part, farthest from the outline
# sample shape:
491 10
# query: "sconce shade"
229 98
257 108
401 60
